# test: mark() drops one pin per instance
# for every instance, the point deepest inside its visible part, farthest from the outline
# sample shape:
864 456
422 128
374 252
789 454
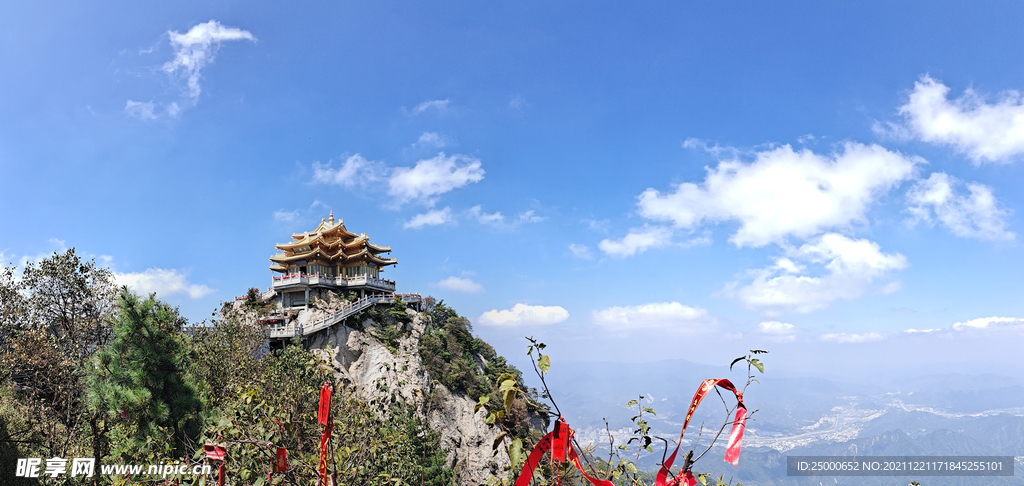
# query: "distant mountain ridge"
942 414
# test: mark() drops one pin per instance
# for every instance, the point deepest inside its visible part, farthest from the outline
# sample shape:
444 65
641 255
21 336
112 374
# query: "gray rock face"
362 360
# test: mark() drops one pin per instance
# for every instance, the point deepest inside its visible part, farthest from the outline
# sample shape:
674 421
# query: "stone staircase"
293 328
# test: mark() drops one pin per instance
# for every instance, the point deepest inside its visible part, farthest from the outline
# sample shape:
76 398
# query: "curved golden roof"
328 243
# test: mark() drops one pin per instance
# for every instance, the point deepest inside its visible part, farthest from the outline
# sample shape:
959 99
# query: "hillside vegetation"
92 370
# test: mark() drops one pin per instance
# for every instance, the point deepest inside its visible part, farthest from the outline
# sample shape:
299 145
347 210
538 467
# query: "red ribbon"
324 418
732 449
559 442
325 404
216 453
281 465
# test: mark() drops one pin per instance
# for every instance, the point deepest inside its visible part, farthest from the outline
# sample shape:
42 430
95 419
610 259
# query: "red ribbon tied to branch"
732 448
559 442
324 418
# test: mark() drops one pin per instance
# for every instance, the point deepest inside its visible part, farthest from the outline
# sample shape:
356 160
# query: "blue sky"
673 181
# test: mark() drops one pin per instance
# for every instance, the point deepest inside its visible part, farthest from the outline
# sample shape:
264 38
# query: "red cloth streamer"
325 404
559 437
732 449
559 442
281 465
324 418
215 453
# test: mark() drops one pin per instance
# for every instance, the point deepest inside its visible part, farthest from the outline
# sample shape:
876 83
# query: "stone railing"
291 329
338 281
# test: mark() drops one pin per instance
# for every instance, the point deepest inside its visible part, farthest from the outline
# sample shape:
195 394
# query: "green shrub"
466 364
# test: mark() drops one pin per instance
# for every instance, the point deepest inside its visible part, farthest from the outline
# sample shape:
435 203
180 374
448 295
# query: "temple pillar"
306 305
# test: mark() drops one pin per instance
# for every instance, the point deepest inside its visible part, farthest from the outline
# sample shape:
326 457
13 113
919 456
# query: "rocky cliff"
361 359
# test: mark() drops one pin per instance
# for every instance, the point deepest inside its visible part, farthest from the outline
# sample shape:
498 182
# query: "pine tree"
140 382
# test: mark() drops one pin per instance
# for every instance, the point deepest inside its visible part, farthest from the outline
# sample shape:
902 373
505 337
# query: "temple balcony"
297 280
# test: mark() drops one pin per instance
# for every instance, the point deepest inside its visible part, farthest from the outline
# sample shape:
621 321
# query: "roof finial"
331 219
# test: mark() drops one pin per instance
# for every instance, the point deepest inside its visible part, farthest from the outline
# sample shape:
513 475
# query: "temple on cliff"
329 258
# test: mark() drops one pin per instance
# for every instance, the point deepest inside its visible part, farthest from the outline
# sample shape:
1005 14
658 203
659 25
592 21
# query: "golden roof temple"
329 258
329 249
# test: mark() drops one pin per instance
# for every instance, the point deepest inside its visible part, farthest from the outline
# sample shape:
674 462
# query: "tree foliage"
53 318
467 364
139 381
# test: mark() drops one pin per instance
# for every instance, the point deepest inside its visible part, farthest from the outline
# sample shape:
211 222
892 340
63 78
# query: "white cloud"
140 110
430 218
197 48
439 105
986 132
433 177
843 337
497 220
990 323
431 140
477 213
973 216
461 285
783 192
637 241
777 331
891 288
516 103
658 315
715 150
524 315
355 171
580 251
162 282
527 217
851 265
806 139
595 225
286 216
59 246
173 109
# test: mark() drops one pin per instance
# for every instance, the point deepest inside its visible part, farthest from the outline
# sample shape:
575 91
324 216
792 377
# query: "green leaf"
510 396
758 351
703 478
507 385
757 364
498 439
632 467
544 363
483 401
631 403
650 411
515 453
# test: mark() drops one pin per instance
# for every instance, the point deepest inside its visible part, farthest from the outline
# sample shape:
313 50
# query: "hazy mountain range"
805 415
